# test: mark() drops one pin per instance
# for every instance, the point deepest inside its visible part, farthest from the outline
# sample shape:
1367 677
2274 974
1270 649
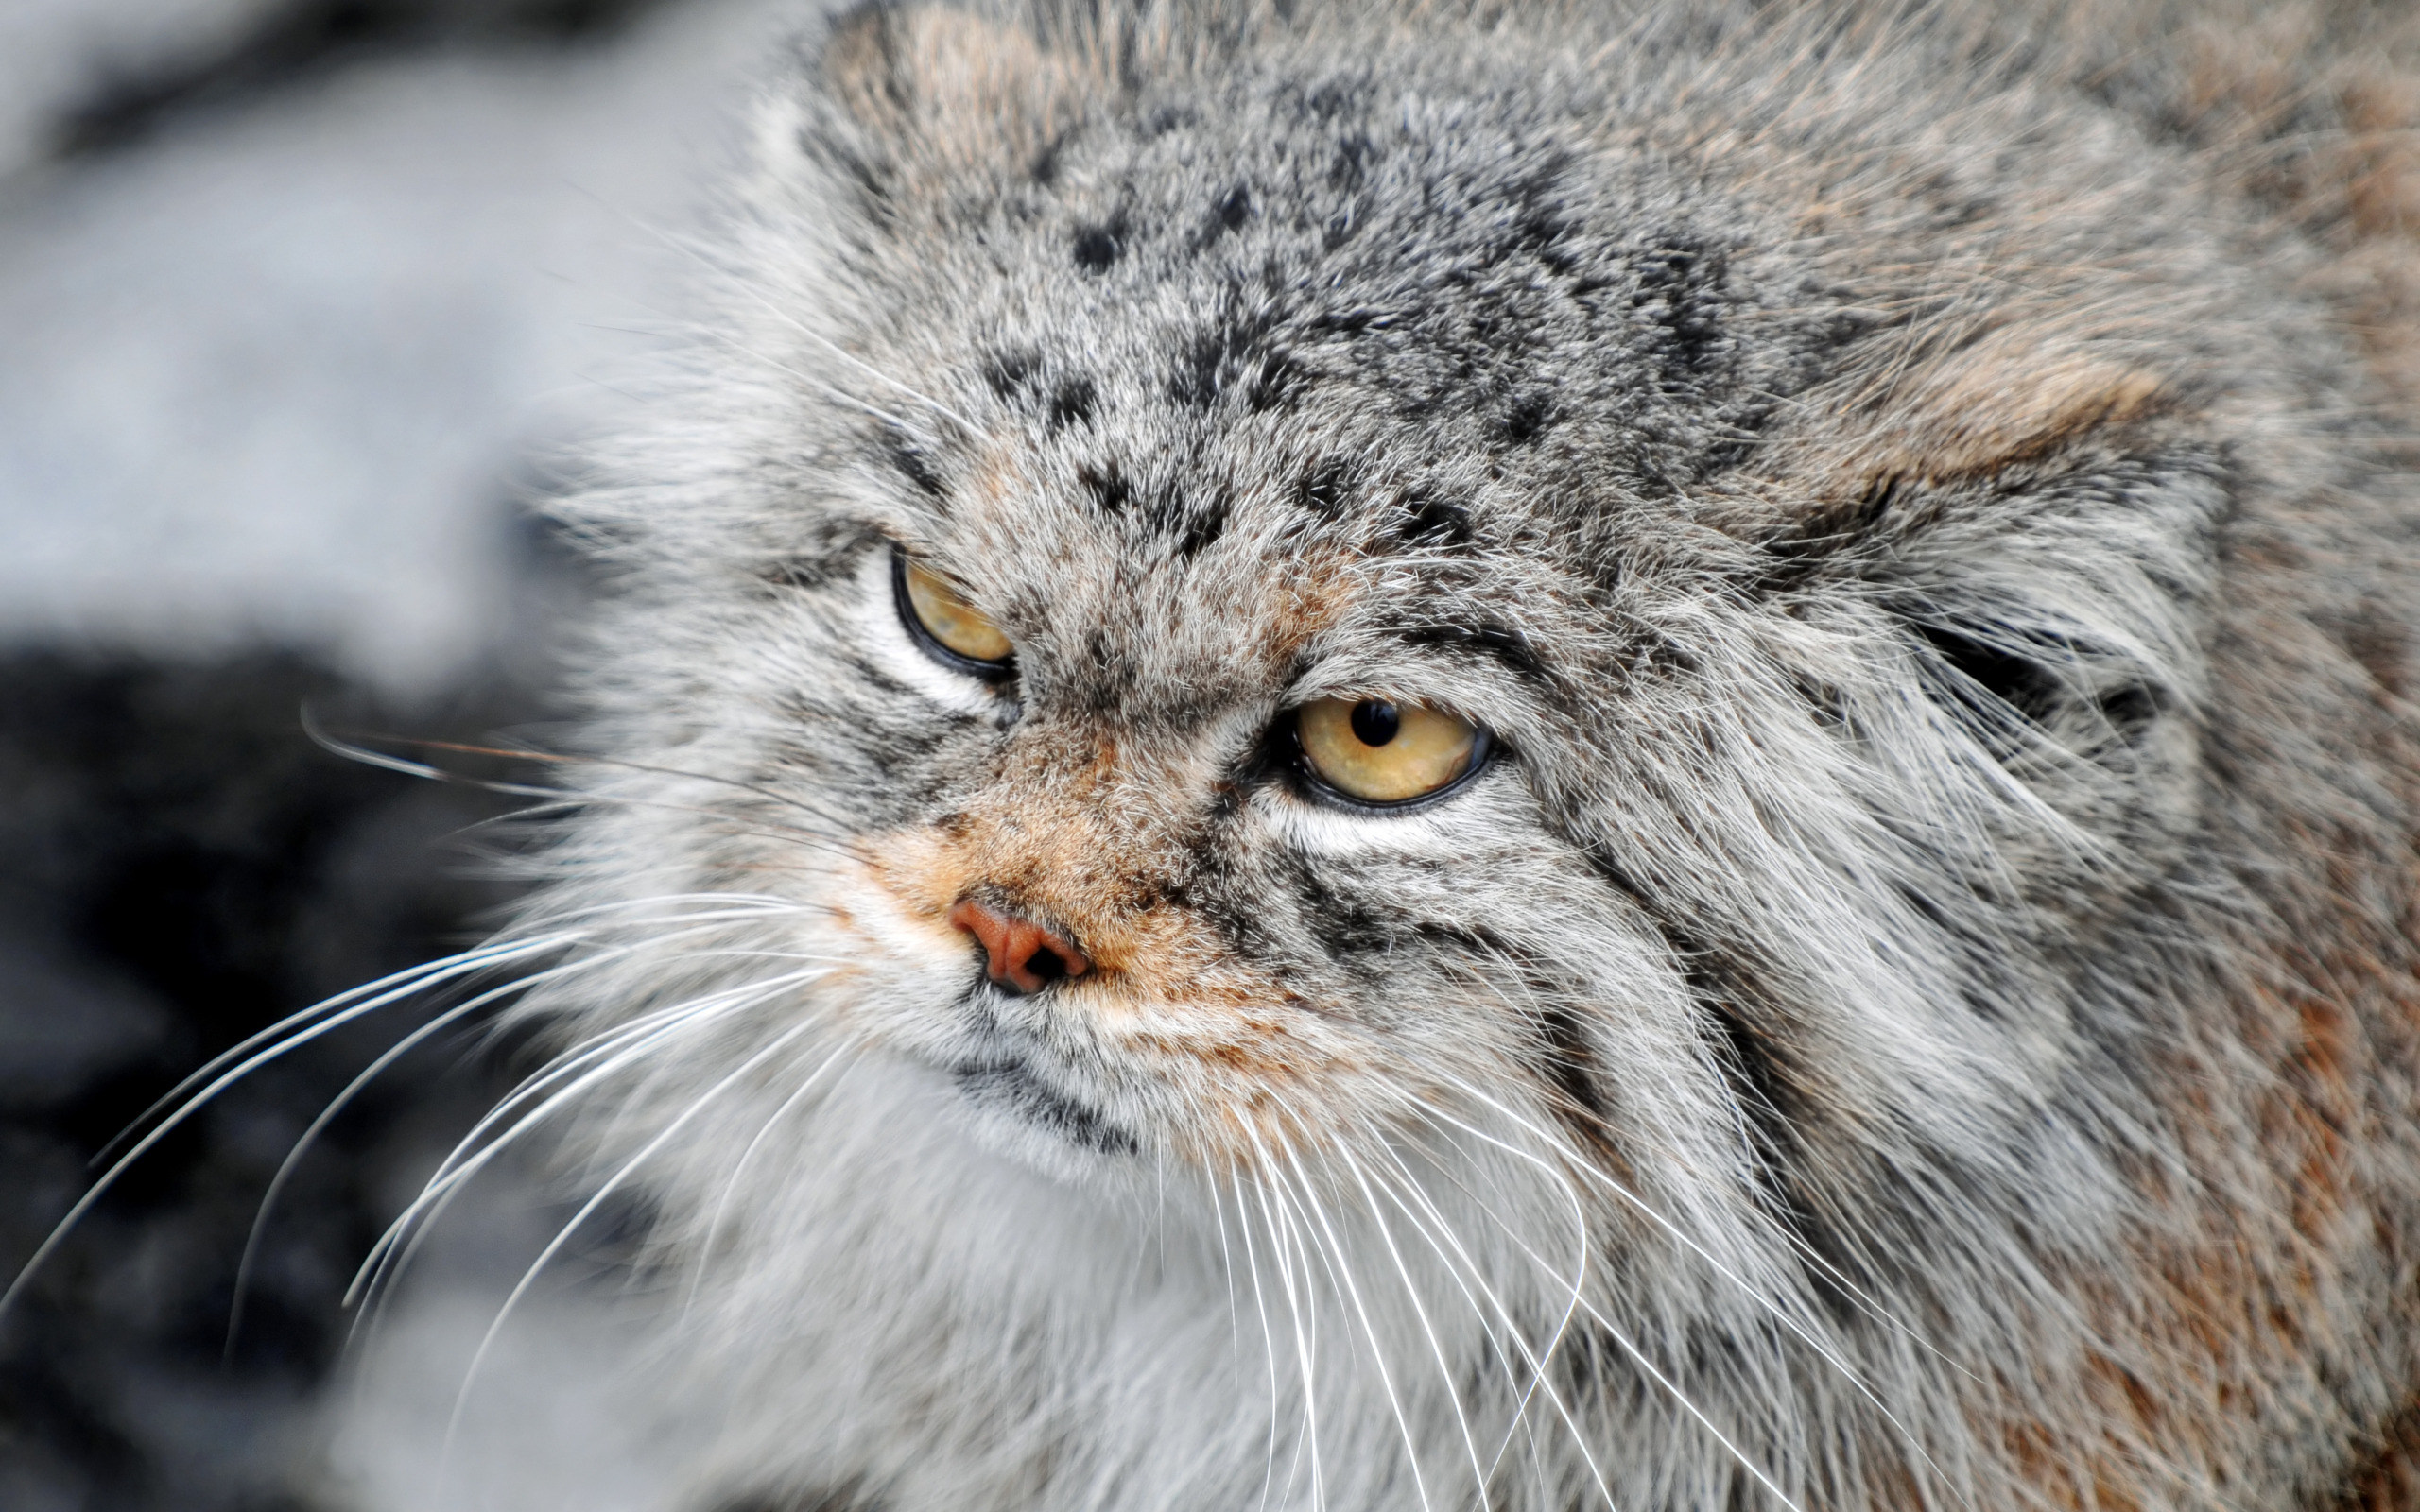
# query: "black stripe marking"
914 463
1501 644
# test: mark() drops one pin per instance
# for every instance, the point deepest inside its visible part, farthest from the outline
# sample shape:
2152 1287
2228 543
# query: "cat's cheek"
1173 1041
910 972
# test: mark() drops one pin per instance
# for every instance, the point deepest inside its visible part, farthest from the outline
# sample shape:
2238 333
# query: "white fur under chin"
939 1321
889 1305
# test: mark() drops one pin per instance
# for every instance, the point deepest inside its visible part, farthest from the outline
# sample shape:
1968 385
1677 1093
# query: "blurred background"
302 303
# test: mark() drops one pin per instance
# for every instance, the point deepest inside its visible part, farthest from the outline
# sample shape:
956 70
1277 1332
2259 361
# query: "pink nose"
1023 956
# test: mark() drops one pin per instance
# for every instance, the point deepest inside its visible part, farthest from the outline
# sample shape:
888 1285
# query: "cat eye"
953 631
1376 752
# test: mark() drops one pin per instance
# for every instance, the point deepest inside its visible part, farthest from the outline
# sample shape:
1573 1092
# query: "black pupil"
1375 721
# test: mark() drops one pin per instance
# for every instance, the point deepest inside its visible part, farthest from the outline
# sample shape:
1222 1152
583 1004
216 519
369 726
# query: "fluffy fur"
1919 1012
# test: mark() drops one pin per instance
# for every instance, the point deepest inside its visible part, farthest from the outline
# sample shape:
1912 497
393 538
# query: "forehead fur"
1399 301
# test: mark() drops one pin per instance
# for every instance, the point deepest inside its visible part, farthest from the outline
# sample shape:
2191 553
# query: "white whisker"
1268 1334
1450 1248
1429 1330
562 1235
1340 1272
1801 1330
722 1199
613 1055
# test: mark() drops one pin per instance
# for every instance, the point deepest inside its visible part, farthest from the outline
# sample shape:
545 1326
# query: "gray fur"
1919 1012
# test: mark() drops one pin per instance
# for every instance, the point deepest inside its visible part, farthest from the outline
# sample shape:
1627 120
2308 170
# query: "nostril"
1044 965
1019 955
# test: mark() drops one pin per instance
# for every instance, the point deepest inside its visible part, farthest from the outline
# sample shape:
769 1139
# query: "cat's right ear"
907 101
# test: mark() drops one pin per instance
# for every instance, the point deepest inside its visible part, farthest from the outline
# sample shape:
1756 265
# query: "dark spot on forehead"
1527 416
1228 214
1107 484
1169 118
1097 246
1188 523
1192 527
1678 293
1353 154
1008 372
1543 225
1325 101
1238 353
1046 162
1100 677
1326 489
1071 404
1424 520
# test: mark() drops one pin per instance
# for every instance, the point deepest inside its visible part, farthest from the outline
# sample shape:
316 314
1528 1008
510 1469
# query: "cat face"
1790 688
1200 507
1281 931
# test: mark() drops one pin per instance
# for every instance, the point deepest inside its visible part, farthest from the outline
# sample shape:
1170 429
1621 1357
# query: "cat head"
1265 595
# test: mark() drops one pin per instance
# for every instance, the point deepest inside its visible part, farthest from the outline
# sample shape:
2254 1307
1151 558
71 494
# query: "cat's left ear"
2009 400
2032 524
908 100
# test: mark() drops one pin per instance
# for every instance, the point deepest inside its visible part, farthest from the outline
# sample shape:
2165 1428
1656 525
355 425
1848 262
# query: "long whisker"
812 840
578 1054
388 989
109 1179
1227 1268
612 1053
562 1236
618 1046
347 749
1411 1291
1671 1387
568 1062
1268 1335
616 1050
713 1223
286 1167
1340 1273
1450 1248
1301 1304
1806 1251
1804 1332
392 1254
1673 1390
294 1155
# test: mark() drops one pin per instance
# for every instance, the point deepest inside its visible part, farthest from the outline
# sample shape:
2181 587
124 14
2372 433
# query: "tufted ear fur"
2017 396
927 94
2002 402
2031 515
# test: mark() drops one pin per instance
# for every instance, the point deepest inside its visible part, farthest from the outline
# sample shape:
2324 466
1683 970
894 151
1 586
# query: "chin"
1011 1111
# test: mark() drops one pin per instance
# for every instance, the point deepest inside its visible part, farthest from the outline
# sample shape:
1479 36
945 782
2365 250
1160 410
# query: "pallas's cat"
1646 756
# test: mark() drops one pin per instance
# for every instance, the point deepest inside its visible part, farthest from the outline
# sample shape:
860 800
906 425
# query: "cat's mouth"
1007 1084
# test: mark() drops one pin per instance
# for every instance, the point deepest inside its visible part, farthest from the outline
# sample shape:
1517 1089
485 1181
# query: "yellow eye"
1383 752
947 622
